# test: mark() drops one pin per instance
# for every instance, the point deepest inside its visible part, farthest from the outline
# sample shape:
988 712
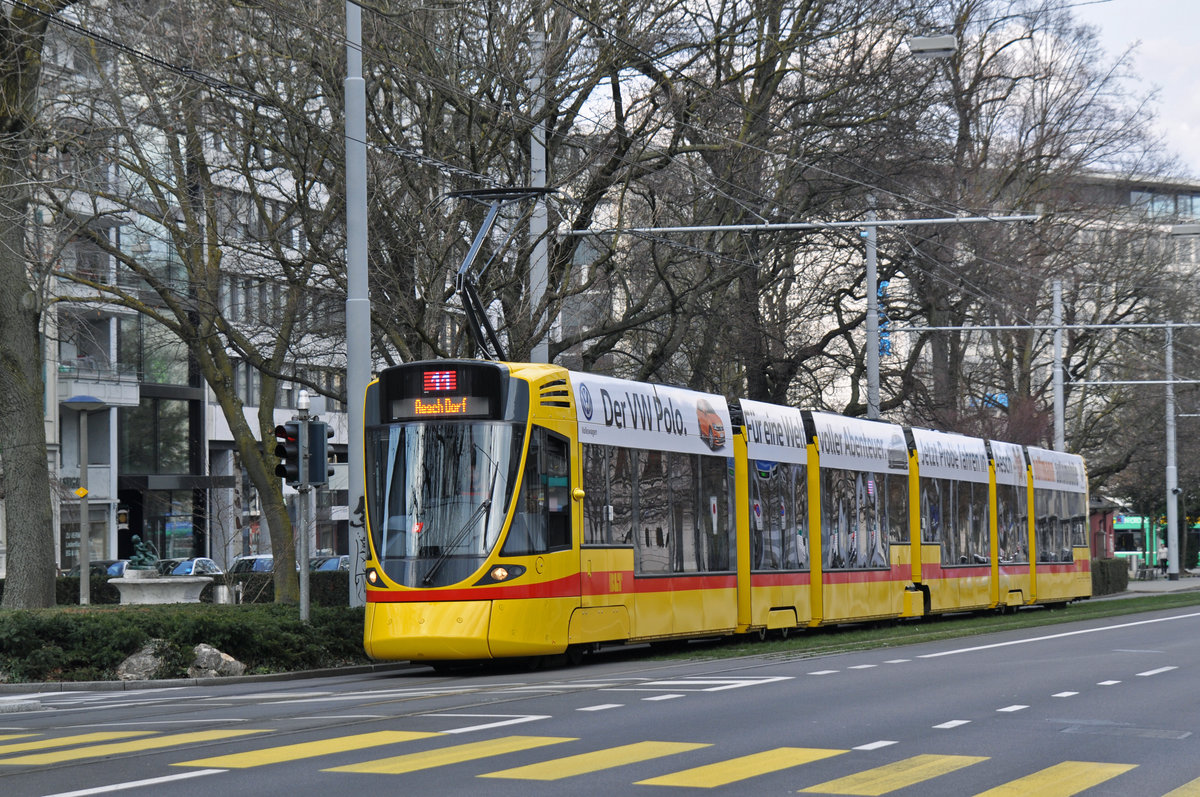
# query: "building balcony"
115 385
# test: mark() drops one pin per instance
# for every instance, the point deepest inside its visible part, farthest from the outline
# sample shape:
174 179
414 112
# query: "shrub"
1109 576
86 644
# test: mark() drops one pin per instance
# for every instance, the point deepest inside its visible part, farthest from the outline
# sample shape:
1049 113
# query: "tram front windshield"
438 494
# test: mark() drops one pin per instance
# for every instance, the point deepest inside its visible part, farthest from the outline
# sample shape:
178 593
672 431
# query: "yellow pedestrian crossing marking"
137 746
67 741
890 777
4 737
594 762
748 766
455 754
1189 789
294 752
1060 780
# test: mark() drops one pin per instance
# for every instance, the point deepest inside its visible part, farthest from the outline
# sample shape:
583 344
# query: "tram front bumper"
427 630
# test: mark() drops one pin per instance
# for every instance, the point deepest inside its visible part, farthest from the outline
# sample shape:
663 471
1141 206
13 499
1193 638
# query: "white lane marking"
822 672
273 696
1064 694
703 684
194 721
392 693
1108 683
952 724
1148 673
601 707
134 784
863 666
661 697
897 661
1058 636
509 719
1010 709
875 745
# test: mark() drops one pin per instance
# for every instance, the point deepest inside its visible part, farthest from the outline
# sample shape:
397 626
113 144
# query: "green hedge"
87 644
1109 576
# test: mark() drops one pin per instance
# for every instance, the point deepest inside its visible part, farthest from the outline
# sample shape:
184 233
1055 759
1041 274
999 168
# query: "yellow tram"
527 510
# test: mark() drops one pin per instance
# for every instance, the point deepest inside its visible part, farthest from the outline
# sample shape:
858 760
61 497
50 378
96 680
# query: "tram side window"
542 517
714 508
673 508
955 514
779 516
684 540
1079 519
1011 520
895 514
597 501
654 537
852 534
1053 526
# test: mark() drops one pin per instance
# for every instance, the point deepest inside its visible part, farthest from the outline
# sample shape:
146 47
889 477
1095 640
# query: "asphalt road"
1106 707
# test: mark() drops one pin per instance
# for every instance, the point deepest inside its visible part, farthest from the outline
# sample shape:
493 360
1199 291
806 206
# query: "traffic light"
290 450
318 452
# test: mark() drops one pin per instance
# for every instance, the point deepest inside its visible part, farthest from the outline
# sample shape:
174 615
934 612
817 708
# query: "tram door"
607 553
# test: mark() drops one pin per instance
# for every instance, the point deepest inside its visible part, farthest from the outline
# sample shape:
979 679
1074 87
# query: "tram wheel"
574 655
762 634
784 632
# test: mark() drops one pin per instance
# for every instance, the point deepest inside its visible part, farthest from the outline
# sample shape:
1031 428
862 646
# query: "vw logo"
585 401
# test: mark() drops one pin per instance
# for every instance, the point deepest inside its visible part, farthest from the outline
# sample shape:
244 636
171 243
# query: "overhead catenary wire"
237 91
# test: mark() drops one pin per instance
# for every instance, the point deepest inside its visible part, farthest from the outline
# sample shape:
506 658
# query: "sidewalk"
1188 580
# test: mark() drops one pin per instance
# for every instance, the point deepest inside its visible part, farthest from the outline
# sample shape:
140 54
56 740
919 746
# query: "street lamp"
929 47
84 405
924 48
1173 553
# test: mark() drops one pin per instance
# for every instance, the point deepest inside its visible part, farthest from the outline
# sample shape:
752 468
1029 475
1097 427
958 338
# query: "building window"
154 437
160 357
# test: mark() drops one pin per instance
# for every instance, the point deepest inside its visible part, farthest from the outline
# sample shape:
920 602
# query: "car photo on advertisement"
712 431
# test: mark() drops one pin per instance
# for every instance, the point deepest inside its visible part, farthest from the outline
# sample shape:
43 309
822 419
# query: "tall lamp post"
85 406
358 301
1174 553
923 48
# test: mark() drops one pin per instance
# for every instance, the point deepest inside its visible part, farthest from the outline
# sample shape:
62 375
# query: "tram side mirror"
578 494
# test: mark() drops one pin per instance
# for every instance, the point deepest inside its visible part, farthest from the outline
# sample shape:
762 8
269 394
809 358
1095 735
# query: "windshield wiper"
466 527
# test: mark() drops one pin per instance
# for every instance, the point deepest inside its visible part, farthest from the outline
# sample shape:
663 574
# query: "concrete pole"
302 506
872 317
1060 439
1172 471
358 302
85 509
539 271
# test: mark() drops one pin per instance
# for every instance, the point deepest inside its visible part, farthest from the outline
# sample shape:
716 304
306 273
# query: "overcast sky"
1168 57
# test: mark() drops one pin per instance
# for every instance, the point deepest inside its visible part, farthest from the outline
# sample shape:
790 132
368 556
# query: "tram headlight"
372 576
500 573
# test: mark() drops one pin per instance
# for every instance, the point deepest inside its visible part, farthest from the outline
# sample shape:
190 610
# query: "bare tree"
25 477
215 208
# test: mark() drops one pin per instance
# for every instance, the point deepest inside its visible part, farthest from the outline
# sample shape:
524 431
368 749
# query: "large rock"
212 663
143 665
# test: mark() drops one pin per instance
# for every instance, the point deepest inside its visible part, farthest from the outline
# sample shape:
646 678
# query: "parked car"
195 566
329 563
257 563
112 568
165 566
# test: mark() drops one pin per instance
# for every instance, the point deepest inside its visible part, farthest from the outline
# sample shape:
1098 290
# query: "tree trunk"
26 474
